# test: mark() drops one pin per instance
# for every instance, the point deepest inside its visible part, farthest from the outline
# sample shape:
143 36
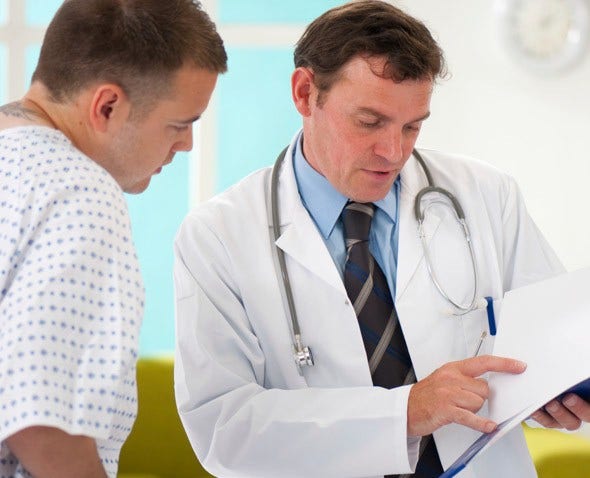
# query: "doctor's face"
362 132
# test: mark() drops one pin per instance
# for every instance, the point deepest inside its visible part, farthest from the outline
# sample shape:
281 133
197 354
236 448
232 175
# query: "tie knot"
356 218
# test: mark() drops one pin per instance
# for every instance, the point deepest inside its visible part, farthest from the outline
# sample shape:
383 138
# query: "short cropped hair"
136 44
369 28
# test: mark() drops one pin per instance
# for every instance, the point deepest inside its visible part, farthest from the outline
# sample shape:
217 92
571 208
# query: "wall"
532 126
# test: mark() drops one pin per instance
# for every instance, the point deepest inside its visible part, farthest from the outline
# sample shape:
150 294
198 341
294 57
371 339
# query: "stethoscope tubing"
419 213
276 225
303 355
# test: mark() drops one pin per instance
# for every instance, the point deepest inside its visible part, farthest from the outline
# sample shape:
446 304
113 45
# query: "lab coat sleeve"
238 427
527 256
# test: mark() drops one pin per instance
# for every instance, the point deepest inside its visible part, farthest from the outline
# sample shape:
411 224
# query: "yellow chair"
157 446
557 454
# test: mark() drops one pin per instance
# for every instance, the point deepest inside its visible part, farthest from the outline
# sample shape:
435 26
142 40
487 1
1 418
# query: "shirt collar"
322 200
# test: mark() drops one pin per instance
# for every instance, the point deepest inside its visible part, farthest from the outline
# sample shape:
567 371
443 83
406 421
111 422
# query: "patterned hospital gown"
71 298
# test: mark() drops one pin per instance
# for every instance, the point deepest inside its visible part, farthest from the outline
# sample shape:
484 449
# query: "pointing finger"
477 366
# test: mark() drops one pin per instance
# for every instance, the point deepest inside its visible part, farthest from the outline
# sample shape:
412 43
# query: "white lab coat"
247 410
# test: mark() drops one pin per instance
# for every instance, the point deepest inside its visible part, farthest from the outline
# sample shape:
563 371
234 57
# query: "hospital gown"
71 296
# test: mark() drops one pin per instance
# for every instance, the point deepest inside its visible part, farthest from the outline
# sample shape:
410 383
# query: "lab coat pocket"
479 328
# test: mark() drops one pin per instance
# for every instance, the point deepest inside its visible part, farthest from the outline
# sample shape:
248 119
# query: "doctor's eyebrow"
422 118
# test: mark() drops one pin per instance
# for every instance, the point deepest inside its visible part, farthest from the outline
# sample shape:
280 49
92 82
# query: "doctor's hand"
568 412
454 393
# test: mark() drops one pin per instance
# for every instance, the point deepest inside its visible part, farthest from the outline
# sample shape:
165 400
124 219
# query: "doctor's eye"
370 124
413 128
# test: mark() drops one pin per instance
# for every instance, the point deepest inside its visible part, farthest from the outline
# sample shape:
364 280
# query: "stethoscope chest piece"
303 357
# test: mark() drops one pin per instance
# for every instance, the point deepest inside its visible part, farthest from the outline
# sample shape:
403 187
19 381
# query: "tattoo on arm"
17 110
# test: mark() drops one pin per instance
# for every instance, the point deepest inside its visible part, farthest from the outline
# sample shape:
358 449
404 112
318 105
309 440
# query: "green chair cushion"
157 446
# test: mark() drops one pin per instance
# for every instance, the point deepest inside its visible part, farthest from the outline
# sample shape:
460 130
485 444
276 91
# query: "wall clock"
545 35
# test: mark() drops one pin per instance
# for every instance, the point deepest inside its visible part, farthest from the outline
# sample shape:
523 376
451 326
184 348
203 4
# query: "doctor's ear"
109 107
303 90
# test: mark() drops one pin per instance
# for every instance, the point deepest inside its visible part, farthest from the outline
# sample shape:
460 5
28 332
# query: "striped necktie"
387 352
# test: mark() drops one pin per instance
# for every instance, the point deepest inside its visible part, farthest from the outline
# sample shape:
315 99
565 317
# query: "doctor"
362 84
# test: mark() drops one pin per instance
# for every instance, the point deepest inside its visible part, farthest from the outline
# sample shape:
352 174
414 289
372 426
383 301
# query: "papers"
546 325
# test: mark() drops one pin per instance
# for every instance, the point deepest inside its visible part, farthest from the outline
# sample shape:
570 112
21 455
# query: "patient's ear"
109 108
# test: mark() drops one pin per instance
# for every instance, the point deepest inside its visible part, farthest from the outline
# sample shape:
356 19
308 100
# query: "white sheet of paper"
546 325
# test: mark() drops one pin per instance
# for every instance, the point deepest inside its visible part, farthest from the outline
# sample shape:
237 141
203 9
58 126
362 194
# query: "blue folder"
473 450
582 389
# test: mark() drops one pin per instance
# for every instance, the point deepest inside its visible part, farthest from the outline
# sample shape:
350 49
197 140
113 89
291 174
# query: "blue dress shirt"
324 203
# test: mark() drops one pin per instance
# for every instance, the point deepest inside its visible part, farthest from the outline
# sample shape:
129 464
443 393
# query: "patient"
118 86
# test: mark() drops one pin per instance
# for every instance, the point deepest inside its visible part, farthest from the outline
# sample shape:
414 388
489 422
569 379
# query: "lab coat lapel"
300 238
410 251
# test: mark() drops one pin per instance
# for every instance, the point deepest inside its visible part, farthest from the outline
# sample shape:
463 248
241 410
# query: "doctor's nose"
390 146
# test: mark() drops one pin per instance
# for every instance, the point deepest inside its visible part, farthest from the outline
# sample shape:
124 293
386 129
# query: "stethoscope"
302 353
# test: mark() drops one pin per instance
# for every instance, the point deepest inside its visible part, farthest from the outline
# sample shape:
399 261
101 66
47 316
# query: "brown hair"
370 28
136 44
